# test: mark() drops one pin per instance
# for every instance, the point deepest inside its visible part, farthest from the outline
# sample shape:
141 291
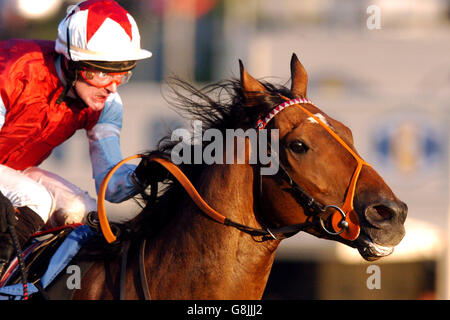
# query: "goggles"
101 79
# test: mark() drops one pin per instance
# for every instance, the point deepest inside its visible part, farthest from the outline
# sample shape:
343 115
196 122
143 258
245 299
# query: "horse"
322 187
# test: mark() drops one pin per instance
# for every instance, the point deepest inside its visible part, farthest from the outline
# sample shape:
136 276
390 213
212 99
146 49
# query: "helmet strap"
71 75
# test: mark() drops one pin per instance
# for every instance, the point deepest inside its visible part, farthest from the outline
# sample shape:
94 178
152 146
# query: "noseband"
344 220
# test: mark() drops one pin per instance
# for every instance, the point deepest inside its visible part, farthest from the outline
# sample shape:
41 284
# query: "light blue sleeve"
104 149
2 113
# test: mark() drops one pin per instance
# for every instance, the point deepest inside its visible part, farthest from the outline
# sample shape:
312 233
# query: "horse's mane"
220 106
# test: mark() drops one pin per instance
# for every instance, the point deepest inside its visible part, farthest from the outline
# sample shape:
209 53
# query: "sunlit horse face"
323 167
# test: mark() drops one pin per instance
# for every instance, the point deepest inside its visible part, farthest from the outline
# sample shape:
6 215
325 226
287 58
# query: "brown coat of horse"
193 257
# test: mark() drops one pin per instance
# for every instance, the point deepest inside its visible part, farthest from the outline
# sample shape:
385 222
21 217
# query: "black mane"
219 106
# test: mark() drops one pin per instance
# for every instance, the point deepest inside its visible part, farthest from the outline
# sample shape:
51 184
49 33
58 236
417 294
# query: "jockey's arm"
104 149
2 113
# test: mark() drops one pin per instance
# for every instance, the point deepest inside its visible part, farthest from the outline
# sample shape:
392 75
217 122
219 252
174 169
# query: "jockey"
50 89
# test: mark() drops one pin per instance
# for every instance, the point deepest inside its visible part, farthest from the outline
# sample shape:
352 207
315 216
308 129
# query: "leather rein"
266 234
341 223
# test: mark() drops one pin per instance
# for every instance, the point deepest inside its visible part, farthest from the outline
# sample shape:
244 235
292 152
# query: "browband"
261 123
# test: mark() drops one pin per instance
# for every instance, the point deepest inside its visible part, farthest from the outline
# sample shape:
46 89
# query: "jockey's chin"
94 97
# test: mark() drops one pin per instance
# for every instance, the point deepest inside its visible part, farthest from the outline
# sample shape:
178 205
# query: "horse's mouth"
366 247
370 250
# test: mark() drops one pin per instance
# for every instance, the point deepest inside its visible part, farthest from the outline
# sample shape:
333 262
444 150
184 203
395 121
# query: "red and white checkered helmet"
100 30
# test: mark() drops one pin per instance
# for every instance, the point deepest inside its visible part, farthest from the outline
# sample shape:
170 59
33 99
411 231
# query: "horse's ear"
299 77
251 87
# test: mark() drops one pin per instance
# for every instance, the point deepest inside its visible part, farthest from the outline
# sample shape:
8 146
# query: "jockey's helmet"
98 34
99 30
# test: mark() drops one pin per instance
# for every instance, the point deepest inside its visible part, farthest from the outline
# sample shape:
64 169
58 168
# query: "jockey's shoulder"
30 57
21 47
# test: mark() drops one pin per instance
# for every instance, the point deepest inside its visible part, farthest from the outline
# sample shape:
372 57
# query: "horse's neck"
202 259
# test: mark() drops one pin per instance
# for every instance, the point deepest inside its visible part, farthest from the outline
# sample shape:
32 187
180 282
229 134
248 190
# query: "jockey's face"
94 97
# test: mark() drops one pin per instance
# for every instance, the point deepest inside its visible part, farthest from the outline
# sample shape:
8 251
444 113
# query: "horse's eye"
298 146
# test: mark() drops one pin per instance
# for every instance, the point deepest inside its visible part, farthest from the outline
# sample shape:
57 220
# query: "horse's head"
319 167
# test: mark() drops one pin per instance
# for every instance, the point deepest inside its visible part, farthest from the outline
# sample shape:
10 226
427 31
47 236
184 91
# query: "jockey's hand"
7 215
148 171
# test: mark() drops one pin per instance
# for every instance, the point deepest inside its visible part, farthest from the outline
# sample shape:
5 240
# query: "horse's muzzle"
382 228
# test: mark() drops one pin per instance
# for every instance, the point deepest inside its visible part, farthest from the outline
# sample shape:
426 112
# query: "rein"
344 220
266 234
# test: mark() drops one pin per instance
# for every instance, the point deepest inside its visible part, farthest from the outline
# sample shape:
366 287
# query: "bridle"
344 221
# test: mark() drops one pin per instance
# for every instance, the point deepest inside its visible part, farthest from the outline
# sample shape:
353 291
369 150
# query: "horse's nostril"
379 213
384 212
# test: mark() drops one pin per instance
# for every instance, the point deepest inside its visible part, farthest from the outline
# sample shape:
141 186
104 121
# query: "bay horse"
322 187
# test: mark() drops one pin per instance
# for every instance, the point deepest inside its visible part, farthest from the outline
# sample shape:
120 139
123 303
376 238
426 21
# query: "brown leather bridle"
344 220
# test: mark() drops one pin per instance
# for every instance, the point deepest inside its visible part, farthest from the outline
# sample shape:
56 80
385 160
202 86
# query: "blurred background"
390 85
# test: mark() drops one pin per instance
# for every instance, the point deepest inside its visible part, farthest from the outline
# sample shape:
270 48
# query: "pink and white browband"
261 123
